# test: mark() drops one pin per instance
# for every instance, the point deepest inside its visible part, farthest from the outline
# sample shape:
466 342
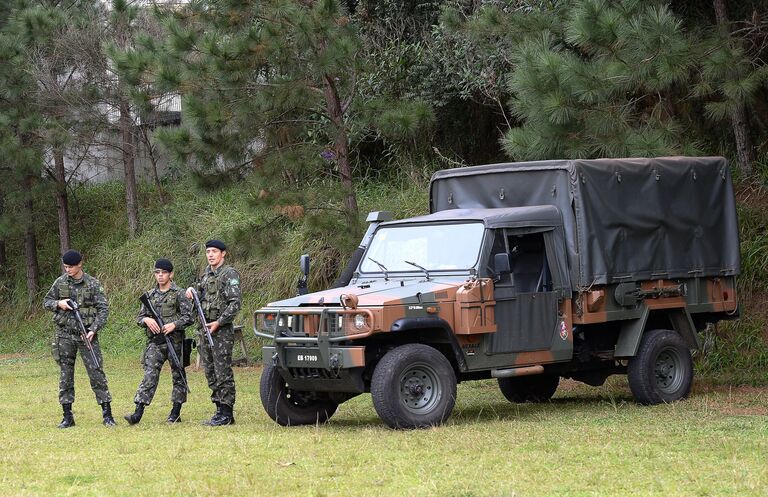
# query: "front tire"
413 386
662 370
536 388
289 407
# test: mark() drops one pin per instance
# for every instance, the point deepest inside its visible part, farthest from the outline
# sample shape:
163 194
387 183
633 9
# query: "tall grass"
178 231
738 350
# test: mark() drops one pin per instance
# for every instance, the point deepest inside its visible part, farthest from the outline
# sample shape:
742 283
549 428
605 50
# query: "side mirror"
301 285
501 264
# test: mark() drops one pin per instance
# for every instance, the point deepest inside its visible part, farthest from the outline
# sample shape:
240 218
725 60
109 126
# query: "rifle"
83 332
171 351
201 316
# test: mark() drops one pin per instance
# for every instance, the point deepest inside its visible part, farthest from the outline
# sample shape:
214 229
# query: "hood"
379 293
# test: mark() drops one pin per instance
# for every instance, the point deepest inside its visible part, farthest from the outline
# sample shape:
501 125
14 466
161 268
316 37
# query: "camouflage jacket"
219 291
88 293
173 306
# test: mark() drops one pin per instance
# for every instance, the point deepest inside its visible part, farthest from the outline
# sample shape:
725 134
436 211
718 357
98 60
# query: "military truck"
525 272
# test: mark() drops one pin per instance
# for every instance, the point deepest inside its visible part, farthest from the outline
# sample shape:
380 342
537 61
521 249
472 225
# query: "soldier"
89 294
219 290
176 312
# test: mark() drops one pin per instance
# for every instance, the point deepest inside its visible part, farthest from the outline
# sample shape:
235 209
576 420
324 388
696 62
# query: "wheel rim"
669 371
420 388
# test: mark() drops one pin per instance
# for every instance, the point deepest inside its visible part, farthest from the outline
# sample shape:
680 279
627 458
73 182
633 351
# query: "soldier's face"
215 256
75 271
163 277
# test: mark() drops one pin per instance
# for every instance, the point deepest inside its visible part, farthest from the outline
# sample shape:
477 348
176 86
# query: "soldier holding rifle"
217 296
165 312
73 293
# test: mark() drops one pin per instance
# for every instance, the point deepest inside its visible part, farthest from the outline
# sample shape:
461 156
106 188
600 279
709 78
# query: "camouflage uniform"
174 307
219 291
89 294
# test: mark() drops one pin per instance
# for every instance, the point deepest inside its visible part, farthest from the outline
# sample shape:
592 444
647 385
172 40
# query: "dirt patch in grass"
5 357
735 400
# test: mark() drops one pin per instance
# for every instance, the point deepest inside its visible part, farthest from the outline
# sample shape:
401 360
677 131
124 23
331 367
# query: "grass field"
587 441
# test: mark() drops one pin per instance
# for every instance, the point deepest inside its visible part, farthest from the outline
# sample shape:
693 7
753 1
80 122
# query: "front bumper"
302 368
310 358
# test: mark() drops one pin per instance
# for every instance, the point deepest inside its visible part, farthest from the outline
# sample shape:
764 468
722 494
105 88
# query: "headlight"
269 321
360 321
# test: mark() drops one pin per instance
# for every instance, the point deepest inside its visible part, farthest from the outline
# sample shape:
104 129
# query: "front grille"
313 374
309 325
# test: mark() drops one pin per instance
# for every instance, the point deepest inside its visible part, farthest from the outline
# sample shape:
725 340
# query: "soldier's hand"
152 325
213 326
63 305
90 335
189 293
168 328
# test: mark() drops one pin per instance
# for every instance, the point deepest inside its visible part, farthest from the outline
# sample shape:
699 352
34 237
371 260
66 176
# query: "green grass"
587 441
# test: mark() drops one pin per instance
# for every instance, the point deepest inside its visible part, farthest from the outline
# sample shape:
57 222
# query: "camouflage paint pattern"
155 355
220 297
699 295
89 293
217 364
65 348
174 307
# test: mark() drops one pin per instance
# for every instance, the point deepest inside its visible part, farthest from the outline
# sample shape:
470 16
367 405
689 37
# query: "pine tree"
731 79
595 78
268 87
20 124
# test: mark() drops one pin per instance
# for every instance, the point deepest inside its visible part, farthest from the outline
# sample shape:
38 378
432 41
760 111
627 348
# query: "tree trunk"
739 118
62 203
30 242
145 139
341 146
131 192
741 130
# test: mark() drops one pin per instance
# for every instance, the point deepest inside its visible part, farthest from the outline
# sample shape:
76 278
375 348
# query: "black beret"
215 244
164 264
71 258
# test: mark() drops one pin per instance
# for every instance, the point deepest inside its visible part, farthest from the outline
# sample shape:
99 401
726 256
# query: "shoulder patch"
234 281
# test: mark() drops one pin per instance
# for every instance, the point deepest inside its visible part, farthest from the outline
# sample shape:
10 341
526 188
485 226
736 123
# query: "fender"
436 330
632 331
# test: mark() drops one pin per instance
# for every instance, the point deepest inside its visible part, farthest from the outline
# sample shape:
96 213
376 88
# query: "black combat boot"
216 416
137 414
226 417
175 415
69 418
106 413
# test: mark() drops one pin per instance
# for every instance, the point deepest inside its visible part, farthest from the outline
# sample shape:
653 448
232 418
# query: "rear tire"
289 407
413 386
536 388
662 370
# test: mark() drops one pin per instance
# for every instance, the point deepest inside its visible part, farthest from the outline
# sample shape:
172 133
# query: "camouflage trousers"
155 355
217 363
65 348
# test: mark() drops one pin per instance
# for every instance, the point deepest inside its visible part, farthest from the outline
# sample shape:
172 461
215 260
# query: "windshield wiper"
381 266
420 267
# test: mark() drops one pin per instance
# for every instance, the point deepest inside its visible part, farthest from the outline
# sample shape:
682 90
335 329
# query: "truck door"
526 305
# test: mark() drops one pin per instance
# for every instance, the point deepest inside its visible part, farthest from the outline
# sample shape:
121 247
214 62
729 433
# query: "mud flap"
683 324
630 334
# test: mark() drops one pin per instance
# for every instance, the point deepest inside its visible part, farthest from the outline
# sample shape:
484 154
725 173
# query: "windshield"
435 247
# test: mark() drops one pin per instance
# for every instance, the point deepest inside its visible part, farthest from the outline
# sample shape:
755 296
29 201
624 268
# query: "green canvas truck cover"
625 219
